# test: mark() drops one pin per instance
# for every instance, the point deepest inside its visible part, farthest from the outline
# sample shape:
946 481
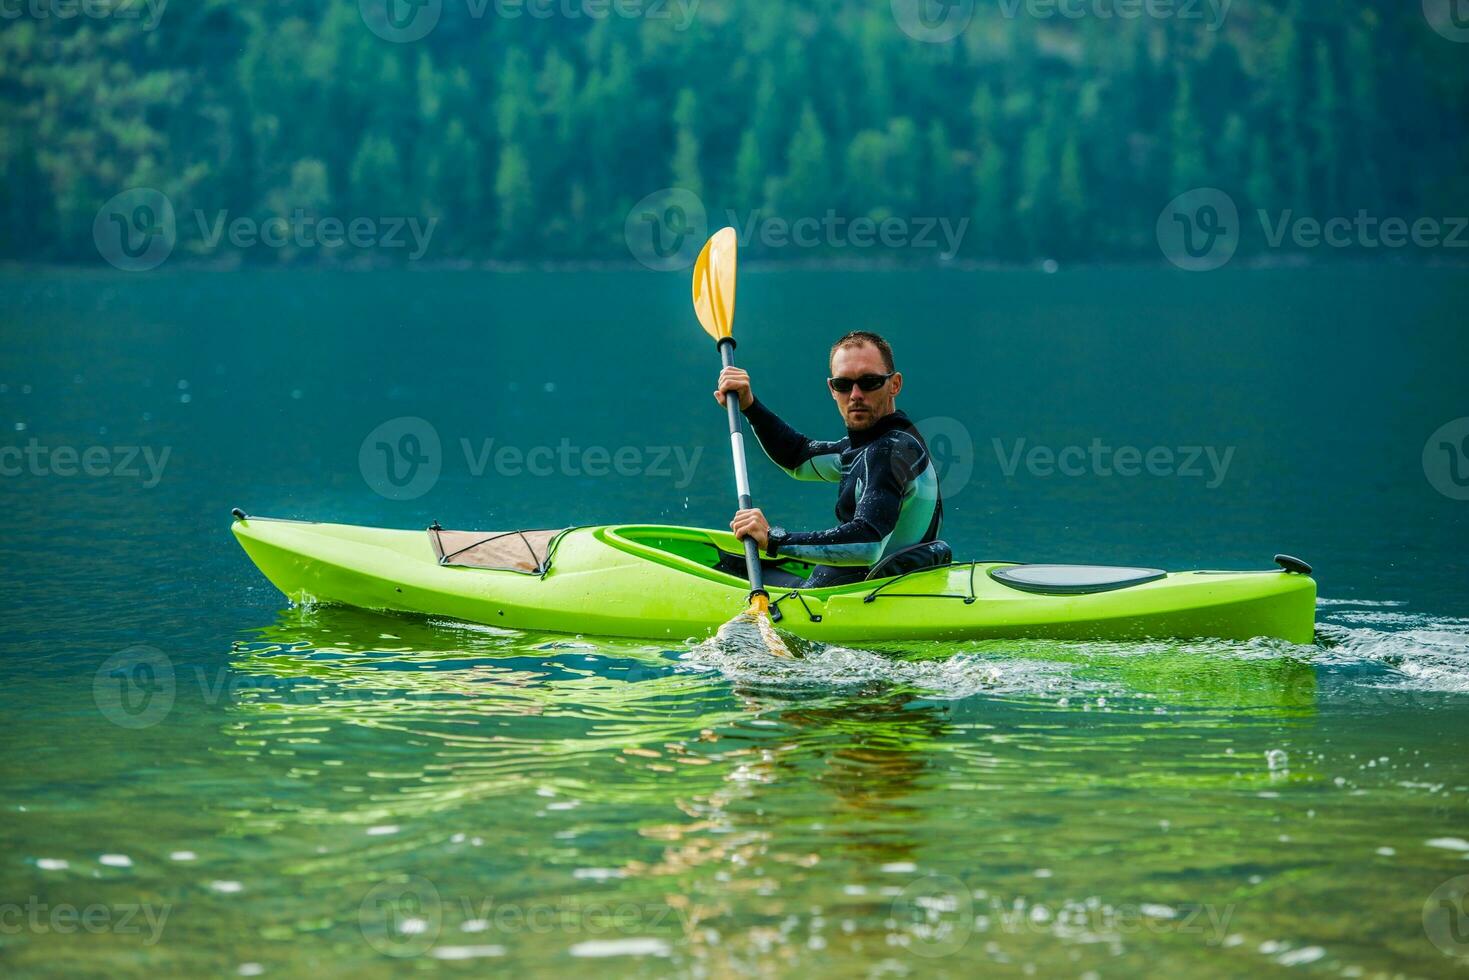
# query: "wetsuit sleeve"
802 458
887 472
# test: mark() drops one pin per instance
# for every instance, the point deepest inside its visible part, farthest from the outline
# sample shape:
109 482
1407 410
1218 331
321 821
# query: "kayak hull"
624 581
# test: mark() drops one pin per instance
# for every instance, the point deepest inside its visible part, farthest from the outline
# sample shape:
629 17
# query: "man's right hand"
736 380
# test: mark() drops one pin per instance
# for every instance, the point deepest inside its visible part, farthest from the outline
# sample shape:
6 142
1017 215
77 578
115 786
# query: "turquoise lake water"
199 780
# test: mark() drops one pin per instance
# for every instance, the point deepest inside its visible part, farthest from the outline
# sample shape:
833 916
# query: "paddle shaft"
742 473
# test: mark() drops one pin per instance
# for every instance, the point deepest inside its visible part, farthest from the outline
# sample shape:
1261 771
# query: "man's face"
861 409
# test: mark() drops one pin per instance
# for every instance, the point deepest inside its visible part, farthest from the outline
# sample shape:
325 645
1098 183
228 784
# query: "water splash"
752 633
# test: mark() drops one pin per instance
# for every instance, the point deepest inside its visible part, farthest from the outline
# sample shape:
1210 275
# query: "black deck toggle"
1294 565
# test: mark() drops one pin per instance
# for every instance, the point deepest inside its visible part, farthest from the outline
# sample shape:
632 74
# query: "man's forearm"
792 451
856 542
784 445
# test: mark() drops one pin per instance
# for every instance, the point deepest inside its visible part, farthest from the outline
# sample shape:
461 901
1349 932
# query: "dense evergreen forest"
532 138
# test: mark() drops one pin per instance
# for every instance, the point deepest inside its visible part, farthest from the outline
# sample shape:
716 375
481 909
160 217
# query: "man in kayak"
888 491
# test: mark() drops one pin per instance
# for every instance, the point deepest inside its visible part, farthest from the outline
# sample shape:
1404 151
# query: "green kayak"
666 582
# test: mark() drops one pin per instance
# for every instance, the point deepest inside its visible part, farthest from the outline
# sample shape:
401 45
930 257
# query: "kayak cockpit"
689 548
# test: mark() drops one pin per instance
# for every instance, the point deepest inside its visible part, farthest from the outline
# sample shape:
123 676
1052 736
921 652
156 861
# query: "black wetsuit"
887 497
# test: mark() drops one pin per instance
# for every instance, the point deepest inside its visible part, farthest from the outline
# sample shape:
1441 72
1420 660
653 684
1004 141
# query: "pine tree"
1035 210
376 177
805 191
514 196
1326 158
905 166
686 172
989 224
1071 205
750 176
867 175
1187 169
940 181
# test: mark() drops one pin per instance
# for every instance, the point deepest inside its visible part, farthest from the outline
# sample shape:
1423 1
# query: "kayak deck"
659 582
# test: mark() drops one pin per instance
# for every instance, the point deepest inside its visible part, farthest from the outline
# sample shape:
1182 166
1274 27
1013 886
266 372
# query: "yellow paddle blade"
714 283
752 632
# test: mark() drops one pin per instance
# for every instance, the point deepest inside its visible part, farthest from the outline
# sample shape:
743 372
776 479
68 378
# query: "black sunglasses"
868 382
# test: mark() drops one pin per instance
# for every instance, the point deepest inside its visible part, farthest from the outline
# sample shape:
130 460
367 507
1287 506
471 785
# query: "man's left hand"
751 524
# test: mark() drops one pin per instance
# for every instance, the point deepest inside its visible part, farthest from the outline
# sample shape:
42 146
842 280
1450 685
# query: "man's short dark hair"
859 337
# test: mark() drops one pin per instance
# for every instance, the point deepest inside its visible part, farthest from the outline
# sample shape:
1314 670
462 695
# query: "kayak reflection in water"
888 491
